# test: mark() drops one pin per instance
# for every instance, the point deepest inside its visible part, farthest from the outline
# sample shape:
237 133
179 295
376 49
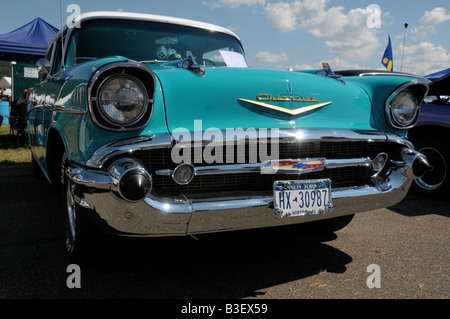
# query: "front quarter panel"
69 114
379 88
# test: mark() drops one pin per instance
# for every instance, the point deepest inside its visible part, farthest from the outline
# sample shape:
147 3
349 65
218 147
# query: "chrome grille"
160 159
341 177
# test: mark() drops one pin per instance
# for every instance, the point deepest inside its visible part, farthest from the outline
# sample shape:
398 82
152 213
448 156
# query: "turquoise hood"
240 98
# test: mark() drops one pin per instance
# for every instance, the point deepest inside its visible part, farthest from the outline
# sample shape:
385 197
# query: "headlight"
121 96
403 105
403 108
122 100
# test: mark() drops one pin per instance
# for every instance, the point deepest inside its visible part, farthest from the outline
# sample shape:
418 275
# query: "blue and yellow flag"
387 59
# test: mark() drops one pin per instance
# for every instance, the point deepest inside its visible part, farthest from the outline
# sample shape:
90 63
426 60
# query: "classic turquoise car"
155 126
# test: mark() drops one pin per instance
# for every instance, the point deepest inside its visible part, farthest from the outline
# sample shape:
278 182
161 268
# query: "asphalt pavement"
400 252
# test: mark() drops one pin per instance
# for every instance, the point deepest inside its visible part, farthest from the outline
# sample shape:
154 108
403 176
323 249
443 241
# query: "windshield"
152 42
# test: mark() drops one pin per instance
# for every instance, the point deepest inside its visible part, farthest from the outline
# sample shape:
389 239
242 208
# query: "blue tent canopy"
28 43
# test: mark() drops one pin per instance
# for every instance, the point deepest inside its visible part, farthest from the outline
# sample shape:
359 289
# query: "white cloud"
429 20
287 16
435 16
282 16
423 58
345 33
269 57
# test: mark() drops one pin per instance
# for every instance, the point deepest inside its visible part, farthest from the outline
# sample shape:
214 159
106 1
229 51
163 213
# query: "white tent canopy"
5 82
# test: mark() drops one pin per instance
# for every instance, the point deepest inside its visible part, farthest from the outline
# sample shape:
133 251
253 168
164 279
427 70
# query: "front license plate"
300 198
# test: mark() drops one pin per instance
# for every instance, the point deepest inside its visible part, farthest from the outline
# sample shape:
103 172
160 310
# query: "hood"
250 98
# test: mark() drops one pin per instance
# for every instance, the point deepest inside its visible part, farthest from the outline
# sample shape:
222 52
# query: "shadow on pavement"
225 265
417 205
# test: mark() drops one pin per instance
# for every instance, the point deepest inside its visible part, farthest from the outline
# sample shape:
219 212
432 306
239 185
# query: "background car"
431 136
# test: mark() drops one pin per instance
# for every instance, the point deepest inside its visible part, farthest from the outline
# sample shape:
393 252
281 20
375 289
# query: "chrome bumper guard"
98 191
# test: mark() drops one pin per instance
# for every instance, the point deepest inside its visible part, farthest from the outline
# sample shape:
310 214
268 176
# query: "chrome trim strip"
392 138
239 138
388 73
98 179
257 167
61 109
230 169
336 163
108 151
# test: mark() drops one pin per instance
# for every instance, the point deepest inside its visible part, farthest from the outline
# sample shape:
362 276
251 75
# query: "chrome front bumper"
96 191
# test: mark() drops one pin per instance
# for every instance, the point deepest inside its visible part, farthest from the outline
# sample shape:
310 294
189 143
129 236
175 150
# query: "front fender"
72 120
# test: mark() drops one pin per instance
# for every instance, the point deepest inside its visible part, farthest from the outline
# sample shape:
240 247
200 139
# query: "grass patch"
13 150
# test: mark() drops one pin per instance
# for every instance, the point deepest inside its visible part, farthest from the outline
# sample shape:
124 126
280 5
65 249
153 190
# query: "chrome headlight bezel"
403 109
108 114
408 96
129 71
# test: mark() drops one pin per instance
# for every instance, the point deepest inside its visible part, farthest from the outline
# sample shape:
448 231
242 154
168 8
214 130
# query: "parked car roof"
440 82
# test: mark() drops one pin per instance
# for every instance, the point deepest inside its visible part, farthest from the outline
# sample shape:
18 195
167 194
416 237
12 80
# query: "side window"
58 53
57 57
71 54
48 56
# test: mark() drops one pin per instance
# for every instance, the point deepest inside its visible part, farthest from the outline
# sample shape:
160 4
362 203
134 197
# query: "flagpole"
403 49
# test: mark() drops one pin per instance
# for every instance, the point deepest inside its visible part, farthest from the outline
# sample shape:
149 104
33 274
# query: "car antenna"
62 34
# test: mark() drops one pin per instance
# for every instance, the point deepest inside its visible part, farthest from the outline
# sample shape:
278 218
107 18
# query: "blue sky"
299 34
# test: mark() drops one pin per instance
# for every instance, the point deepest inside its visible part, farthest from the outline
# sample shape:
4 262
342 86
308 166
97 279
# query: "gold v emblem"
288 111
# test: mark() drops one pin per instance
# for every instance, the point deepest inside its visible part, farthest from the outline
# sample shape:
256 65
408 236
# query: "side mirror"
43 66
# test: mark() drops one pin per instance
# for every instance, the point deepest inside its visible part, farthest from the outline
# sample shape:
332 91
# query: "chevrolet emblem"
298 111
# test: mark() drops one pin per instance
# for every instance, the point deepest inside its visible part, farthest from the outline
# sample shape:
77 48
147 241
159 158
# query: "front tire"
79 232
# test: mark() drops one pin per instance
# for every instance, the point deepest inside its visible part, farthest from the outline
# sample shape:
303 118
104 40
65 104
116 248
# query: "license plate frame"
295 198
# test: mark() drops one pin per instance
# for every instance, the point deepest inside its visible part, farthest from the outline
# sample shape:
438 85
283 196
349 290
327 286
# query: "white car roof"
151 17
